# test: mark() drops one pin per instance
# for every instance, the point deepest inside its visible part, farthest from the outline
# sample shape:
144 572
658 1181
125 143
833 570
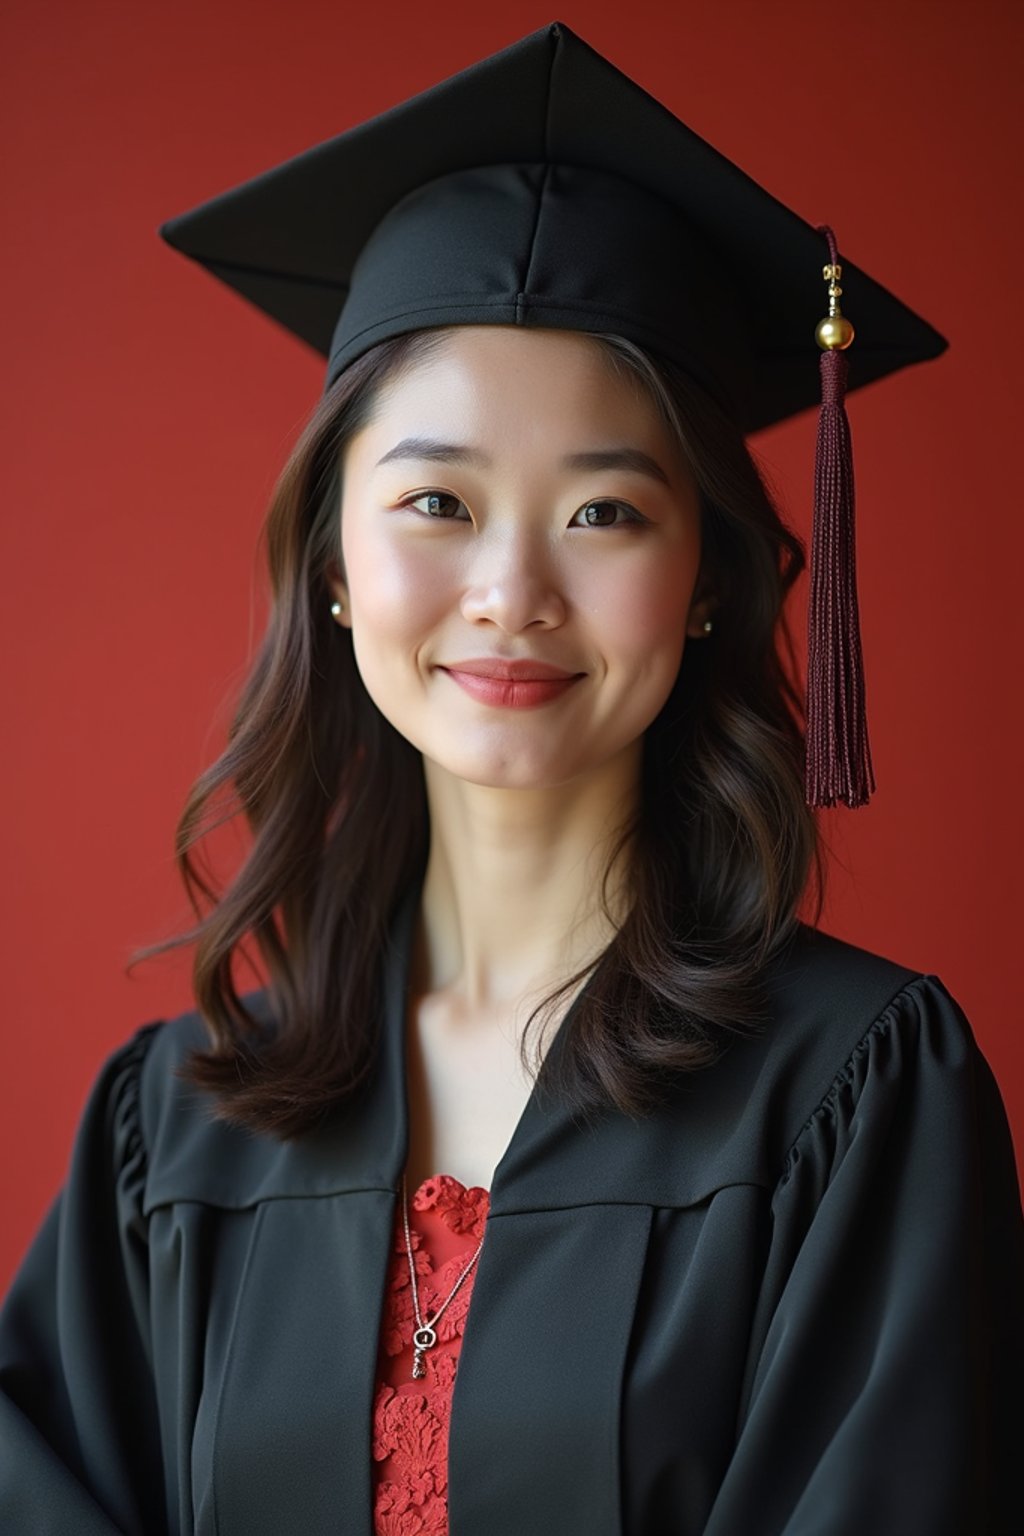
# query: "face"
514 500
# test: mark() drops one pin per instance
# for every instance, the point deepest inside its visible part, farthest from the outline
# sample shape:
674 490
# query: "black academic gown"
789 1304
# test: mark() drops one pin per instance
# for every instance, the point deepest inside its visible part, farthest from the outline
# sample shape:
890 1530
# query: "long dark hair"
720 849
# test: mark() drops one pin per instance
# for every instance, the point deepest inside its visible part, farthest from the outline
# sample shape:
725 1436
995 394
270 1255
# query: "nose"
513 582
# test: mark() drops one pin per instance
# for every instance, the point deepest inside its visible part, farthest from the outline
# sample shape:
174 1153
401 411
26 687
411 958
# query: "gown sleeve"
79 1442
884 1382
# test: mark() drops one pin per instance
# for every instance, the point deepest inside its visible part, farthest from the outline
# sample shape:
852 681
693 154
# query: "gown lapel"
534 1438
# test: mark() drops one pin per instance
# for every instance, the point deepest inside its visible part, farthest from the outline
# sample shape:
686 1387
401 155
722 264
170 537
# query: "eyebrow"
633 459
433 451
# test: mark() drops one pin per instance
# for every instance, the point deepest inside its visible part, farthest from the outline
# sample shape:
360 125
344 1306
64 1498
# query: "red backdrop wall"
147 412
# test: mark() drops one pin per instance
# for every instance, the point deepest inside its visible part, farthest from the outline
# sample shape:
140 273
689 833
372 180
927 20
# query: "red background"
147 412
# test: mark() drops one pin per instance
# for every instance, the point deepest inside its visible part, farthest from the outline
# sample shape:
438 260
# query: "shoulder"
819 960
188 1152
823 995
833 1013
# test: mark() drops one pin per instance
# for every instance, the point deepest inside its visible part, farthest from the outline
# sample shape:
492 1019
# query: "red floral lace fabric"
411 1417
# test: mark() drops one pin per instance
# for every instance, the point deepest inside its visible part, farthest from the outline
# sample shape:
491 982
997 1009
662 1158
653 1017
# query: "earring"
337 609
708 626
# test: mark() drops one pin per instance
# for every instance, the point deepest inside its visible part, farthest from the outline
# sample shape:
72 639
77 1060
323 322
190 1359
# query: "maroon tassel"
838 755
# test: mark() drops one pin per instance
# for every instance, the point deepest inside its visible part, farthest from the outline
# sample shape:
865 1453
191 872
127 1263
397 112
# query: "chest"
467 1089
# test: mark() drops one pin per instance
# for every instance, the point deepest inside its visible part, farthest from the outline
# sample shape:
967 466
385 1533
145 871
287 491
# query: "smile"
512 693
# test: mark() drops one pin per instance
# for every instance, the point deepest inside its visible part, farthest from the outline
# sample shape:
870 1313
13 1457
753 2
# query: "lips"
511 684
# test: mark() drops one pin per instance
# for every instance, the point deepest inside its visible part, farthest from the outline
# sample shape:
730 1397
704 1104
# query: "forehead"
510 382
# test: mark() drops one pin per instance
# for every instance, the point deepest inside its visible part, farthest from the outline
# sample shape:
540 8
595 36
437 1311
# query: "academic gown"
787 1304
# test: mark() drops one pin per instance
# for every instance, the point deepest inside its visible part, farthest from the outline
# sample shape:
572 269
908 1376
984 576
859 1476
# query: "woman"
716 1216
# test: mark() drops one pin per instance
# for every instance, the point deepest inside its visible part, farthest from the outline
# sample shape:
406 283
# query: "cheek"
644 605
393 589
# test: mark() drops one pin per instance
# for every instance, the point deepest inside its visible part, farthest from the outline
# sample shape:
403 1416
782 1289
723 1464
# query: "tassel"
838 763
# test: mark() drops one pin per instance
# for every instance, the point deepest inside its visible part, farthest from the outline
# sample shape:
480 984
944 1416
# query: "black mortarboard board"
543 187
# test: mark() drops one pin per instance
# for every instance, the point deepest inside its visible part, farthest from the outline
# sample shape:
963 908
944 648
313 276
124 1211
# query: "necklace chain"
424 1334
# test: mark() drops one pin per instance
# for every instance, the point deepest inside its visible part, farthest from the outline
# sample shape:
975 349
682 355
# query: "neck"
511 901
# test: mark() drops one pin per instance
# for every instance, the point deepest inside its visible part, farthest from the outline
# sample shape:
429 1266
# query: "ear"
702 608
338 589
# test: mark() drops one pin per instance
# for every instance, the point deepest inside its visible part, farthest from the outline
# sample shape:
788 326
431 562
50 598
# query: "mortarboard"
543 187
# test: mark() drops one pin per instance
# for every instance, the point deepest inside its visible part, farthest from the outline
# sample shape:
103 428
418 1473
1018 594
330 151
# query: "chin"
509 772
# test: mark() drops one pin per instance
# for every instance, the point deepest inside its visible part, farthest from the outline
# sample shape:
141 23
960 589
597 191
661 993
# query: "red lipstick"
518 684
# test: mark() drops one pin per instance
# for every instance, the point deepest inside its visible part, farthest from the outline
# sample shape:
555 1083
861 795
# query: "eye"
439 505
602 514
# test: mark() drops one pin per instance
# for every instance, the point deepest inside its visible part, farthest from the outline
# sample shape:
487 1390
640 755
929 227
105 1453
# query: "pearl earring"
708 626
337 609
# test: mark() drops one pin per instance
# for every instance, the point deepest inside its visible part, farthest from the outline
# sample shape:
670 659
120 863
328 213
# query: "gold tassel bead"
834 333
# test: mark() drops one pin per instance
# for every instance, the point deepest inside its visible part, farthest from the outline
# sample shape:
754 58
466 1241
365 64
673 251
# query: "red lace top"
410 1417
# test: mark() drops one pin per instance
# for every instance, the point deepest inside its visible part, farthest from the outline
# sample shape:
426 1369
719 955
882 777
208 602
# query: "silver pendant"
423 1339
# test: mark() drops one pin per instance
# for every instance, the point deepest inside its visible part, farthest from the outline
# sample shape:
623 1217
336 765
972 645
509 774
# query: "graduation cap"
542 187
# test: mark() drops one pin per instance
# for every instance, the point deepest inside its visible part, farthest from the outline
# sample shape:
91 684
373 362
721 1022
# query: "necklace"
424 1336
